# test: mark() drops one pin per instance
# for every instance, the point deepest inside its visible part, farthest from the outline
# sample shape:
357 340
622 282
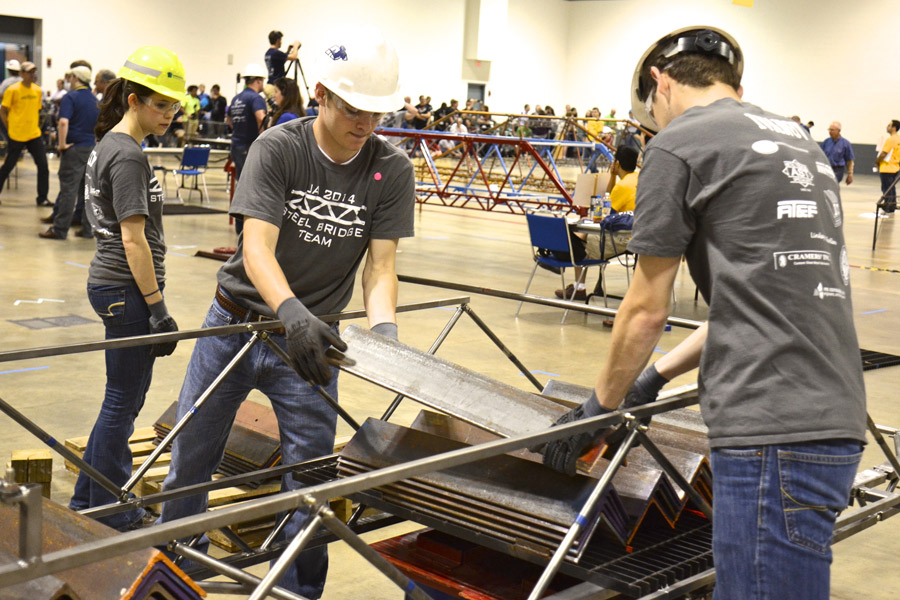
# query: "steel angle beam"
446 387
641 485
502 481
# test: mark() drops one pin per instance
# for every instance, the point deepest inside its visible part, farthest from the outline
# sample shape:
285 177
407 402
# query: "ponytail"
115 104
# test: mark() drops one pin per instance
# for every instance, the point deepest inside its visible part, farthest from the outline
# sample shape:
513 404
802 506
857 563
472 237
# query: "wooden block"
40 466
234 494
77 445
163 460
19 464
45 489
342 508
32 466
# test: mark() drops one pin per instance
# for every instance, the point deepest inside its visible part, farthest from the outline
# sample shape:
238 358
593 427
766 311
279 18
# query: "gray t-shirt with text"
119 184
753 204
326 212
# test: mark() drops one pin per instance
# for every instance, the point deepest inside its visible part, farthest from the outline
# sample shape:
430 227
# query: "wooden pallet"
253 532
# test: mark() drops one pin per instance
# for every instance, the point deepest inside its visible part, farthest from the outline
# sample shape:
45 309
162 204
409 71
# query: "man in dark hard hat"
753 204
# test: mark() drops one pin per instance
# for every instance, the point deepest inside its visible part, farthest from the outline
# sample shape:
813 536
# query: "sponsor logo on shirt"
782 126
823 292
801 258
798 173
771 147
845 266
797 209
825 169
821 236
323 215
834 207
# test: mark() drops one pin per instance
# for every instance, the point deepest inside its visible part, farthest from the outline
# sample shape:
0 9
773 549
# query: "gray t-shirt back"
326 212
753 204
119 183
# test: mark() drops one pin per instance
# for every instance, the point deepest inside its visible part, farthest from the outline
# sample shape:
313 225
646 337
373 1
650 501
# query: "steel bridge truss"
491 172
875 504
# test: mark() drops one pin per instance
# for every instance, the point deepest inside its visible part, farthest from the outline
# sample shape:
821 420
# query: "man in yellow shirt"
621 199
20 113
888 166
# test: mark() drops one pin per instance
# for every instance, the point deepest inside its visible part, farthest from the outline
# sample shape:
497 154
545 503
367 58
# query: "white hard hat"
696 40
361 67
13 65
254 70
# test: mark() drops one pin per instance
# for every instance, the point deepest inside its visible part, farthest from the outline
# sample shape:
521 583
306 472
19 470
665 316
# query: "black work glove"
161 322
562 454
307 338
645 390
387 330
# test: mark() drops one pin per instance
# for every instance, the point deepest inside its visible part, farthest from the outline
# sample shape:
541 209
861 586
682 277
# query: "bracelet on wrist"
151 293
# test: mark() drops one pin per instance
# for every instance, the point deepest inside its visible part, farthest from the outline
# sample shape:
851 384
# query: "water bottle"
596 209
606 206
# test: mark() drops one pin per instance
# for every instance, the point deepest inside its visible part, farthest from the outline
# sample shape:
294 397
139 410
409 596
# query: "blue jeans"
306 425
773 517
128 372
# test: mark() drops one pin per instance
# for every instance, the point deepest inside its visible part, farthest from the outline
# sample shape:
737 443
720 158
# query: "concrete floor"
63 394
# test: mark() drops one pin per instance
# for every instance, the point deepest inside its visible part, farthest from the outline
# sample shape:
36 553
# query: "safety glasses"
354 114
162 106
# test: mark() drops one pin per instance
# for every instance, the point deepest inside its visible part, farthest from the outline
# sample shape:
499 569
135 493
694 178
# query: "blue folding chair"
552 233
193 164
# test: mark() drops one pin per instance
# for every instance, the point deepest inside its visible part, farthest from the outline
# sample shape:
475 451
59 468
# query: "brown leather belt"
244 315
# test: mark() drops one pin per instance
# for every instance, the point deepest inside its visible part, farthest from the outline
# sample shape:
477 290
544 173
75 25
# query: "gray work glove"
645 390
307 338
387 330
562 454
161 322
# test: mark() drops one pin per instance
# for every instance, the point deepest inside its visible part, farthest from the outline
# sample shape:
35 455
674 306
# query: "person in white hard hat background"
127 275
320 196
751 202
245 117
20 112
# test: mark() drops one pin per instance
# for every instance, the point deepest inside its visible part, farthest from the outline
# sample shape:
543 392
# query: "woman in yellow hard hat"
127 275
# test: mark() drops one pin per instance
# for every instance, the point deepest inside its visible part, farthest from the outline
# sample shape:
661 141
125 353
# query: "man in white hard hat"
318 196
752 203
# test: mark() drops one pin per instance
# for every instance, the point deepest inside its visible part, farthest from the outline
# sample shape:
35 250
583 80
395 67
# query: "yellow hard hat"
157 68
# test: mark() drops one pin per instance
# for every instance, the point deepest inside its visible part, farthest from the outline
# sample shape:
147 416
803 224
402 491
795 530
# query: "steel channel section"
61 560
444 386
565 304
190 334
244 578
432 350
